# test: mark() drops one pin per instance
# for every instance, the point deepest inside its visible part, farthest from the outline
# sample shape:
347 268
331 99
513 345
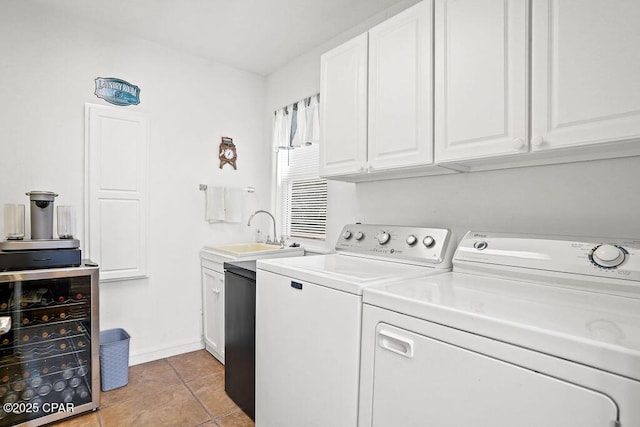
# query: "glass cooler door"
46 355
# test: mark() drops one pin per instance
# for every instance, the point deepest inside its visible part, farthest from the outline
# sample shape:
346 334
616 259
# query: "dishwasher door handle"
5 324
395 343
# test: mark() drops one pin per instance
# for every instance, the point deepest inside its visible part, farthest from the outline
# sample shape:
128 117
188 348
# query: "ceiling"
253 35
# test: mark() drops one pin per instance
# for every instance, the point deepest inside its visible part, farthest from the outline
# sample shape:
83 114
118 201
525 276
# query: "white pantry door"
116 152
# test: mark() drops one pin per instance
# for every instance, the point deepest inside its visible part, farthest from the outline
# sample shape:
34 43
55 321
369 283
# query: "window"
301 195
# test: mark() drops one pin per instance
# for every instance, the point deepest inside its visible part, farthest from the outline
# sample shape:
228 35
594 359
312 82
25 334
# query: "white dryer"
308 320
525 331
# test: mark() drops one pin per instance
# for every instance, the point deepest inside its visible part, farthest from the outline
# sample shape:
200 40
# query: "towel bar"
203 187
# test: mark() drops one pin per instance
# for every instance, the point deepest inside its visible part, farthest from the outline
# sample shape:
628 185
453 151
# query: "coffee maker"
42 250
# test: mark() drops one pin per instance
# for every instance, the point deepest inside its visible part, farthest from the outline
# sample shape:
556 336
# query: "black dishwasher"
240 333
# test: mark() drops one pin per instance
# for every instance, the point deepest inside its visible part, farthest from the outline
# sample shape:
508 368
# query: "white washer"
525 331
308 320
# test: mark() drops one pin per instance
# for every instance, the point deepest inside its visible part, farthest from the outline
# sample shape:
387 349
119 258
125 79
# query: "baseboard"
161 353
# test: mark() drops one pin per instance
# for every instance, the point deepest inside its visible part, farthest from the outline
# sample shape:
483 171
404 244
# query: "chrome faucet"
274 241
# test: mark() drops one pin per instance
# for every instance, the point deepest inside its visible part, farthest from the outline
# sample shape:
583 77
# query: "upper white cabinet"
390 132
343 109
401 90
515 83
585 72
481 79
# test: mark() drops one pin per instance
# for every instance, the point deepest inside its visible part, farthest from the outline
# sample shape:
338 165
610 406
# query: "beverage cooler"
49 344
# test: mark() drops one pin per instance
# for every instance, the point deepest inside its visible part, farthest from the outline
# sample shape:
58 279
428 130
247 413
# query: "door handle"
395 343
5 324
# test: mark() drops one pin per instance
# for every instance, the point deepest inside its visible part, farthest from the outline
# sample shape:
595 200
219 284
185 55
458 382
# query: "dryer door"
420 381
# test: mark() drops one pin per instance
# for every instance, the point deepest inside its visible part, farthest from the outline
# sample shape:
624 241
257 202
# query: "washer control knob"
411 240
428 241
359 235
480 245
346 235
383 237
608 256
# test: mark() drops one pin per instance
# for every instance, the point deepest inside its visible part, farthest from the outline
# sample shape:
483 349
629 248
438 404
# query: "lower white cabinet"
213 289
213 311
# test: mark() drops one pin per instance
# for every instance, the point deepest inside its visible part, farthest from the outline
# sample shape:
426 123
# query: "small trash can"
114 358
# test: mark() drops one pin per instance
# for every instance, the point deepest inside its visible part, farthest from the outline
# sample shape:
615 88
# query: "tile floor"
184 390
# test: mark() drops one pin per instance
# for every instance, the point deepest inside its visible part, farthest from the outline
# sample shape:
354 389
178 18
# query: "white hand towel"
215 204
233 203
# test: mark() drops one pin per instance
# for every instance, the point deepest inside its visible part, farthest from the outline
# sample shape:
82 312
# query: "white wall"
47 69
589 198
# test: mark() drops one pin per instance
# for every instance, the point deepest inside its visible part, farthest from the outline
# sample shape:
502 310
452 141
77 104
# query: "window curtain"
301 196
298 124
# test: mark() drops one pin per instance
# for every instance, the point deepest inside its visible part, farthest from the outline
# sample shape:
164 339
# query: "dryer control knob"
346 235
608 256
480 245
411 240
359 235
428 241
383 237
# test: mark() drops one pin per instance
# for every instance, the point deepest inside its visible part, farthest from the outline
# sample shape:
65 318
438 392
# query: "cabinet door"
117 147
401 90
213 312
480 78
343 109
585 66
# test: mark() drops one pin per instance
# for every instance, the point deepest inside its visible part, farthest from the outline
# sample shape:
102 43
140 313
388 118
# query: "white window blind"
302 195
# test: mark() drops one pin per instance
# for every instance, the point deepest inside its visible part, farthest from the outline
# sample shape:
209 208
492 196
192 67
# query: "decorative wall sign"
227 153
117 91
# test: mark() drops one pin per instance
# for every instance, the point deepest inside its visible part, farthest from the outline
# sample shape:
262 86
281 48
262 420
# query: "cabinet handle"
5 324
537 141
395 343
216 291
517 143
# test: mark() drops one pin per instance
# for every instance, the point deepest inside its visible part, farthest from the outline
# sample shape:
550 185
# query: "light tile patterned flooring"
184 390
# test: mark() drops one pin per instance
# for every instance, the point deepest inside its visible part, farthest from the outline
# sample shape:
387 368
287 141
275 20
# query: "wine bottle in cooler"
45 388
28 393
68 370
35 378
82 370
67 395
18 383
82 392
59 384
75 381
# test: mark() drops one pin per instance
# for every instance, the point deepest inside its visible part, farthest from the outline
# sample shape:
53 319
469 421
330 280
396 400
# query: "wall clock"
227 152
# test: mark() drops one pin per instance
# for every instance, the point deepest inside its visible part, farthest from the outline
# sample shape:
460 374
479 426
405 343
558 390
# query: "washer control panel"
593 256
400 243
